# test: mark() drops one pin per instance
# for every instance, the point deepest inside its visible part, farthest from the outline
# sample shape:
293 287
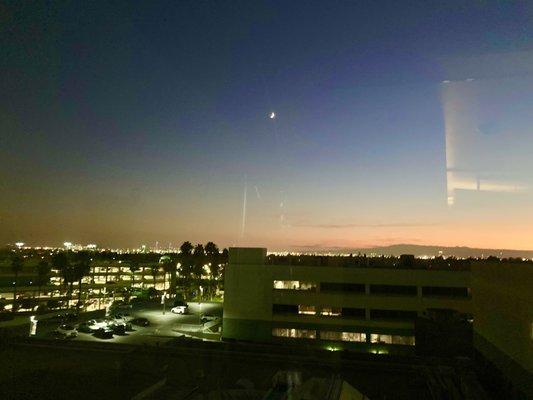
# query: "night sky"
127 123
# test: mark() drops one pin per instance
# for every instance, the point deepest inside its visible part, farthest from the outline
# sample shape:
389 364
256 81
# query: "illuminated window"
393 339
343 336
331 311
403 340
294 333
375 338
295 285
308 310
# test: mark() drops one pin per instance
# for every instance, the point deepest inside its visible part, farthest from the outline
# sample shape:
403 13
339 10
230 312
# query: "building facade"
369 308
503 325
107 281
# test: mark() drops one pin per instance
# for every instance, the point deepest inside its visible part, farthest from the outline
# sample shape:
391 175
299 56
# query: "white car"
67 330
208 317
179 310
92 325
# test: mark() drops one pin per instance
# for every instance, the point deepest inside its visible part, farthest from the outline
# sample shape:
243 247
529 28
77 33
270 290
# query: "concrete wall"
503 323
247 296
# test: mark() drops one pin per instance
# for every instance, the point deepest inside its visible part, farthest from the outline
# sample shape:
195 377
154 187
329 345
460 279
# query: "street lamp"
200 314
163 301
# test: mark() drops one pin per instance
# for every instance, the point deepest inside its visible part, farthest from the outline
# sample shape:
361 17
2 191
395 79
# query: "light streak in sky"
243 225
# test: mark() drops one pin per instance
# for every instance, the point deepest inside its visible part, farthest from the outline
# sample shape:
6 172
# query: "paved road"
163 327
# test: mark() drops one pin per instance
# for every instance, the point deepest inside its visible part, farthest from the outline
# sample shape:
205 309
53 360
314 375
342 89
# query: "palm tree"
198 264
169 267
81 269
133 267
69 277
185 260
186 248
43 275
60 263
154 270
16 268
213 255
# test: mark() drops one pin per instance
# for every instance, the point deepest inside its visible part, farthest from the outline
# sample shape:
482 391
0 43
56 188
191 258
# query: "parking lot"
163 326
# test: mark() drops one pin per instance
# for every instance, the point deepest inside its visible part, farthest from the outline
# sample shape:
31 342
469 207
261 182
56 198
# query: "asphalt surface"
162 328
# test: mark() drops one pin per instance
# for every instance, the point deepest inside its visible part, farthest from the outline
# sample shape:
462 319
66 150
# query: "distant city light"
19 244
68 245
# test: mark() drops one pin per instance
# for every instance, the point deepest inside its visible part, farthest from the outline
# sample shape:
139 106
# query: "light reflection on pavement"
163 327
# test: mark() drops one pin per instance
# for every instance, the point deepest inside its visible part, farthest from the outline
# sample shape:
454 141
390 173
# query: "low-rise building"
369 308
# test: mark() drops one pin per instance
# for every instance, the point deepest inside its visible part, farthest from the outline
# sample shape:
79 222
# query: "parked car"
104 333
117 328
141 321
85 327
65 317
208 317
122 319
92 325
68 330
89 326
102 322
56 335
117 325
180 309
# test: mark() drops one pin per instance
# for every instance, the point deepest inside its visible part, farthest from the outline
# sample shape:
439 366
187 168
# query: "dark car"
56 335
118 328
84 327
65 317
87 326
140 321
104 333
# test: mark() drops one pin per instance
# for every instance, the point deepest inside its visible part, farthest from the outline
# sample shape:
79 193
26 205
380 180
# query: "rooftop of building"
249 255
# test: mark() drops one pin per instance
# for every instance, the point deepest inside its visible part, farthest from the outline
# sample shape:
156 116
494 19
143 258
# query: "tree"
81 269
198 264
224 259
60 263
186 263
16 268
168 268
43 275
133 267
186 248
213 257
154 270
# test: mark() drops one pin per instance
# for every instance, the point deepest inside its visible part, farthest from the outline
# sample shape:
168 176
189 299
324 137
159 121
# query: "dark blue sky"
129 122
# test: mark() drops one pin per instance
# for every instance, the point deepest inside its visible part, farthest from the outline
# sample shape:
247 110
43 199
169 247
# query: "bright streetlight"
163 301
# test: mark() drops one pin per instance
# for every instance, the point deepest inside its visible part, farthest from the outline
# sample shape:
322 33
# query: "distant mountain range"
422 250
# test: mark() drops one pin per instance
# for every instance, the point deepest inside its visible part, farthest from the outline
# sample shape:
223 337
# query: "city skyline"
265 124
